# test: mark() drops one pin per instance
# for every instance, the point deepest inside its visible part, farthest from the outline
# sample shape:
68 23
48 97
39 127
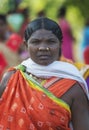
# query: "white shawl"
57 68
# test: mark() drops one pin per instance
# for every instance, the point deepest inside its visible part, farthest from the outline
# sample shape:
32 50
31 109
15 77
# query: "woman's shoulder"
10 71
7 75
77 94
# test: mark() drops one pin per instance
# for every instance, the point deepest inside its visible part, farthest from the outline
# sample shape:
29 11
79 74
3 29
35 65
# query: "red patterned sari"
27 105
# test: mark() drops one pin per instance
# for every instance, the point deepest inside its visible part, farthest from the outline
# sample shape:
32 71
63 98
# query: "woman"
43 93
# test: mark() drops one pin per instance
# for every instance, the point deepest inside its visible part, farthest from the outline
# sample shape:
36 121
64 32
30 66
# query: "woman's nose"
43 47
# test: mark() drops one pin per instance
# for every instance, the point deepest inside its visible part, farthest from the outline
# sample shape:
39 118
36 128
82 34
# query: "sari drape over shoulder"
28 105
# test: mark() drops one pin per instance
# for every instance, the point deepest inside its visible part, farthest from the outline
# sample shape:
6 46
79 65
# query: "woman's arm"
4 81
80 109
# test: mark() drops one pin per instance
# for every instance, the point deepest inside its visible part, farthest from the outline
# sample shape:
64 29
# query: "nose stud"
45 49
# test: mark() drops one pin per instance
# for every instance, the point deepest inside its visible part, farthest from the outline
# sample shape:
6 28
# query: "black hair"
61 11
3 18
43 23
41 13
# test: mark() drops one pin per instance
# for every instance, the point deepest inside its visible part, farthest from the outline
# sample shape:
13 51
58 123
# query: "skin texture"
74 97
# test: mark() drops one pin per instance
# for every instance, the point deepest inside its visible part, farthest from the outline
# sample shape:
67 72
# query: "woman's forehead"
43 33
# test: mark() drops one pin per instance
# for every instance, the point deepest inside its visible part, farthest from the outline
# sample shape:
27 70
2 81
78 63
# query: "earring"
39 49
47 48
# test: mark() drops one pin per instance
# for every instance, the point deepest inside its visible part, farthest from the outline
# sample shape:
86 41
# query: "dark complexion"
38 44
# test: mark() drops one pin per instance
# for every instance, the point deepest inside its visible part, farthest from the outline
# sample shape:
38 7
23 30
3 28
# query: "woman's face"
43 47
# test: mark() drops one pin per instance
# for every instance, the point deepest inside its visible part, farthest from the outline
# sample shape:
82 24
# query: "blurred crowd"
69 41
12 49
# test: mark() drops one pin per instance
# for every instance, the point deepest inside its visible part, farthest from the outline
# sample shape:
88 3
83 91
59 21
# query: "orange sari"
26 105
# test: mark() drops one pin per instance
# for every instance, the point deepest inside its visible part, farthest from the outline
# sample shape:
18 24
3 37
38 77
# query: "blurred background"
16 14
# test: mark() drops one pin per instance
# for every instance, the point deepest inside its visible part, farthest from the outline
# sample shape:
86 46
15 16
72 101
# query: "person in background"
84 44
86 55
26 15
14 42
43 93
15 21
68 38
7 57
41 13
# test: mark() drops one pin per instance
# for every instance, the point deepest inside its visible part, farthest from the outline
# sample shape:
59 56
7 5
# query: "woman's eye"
34 42
51 41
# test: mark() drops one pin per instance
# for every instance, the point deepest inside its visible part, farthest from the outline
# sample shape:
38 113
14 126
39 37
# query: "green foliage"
4 6
82 5
49 6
